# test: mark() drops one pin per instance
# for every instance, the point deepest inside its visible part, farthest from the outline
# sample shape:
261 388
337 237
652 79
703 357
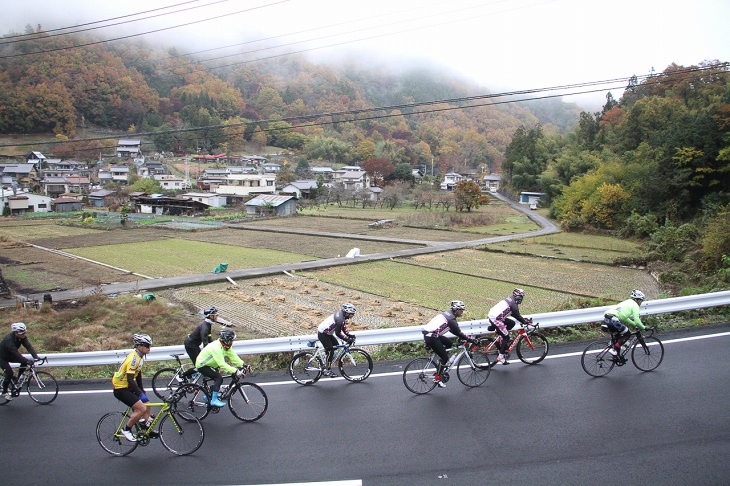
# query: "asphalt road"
544 424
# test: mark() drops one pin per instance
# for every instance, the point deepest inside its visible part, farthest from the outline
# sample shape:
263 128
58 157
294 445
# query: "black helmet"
226 336
210 312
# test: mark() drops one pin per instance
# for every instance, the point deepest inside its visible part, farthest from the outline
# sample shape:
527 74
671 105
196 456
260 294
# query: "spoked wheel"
649 355
357 365
43 390
248 402
181 435
532 348
305 368
418 376
109 435
596 359
165 381
192 402
473 377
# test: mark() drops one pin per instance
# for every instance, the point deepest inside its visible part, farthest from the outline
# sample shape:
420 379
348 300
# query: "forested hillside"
654 164
62 84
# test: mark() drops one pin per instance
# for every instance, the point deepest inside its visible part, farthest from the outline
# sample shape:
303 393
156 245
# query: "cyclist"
497 315
201 335
128 387
10 353
335 325
433 335
620 316
214 356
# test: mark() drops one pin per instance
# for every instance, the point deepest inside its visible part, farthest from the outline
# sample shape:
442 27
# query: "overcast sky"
499 44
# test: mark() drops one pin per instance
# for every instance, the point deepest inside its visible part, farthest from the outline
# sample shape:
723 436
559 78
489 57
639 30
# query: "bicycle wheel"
181 435
192 401
43 390
418 376
596 359
165 381
109 435
248 402
356 365
532 348
649 355
473 377
305 368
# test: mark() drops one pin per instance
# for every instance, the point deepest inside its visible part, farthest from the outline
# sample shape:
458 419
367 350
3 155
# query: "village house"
301 189
120 173
246 184
129 148
170 182
267 204
101 198
165 205
450 181
352 179
207 198
23 202
66 205
24 176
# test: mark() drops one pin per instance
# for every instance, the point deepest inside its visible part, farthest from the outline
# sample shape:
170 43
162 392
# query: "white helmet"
18 327
142 339
457 305
637 294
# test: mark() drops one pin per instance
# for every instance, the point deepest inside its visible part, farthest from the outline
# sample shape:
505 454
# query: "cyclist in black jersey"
200 338
433 335
10 353
335 325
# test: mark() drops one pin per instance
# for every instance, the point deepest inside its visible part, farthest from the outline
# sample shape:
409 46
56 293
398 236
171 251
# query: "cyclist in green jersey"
213 356
620 316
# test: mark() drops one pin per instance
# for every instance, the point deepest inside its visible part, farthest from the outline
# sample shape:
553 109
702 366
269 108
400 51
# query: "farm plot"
360 227
30 270
316 246
435 288
28 230
564 276
590 248
174 256
290 306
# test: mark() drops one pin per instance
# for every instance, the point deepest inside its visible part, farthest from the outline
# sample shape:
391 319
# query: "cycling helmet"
637 294
226 336
349 308
518 294
457 305
210 312
18 327
142 339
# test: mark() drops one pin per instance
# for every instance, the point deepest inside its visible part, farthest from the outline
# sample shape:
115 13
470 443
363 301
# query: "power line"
10 56
36 35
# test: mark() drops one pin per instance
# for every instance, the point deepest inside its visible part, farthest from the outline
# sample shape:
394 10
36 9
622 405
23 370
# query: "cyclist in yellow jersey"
127 383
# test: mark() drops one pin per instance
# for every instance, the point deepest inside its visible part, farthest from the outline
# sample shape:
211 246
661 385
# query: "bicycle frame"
28 373
455 354
340 350
522 333
145 433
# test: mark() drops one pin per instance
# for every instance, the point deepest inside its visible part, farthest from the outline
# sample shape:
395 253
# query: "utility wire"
37 35
10 56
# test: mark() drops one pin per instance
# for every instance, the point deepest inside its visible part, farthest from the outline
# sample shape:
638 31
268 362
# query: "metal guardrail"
396 334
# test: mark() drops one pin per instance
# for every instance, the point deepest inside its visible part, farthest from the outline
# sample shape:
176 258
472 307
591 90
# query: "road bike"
532 347
180 433
166 380
647 353
247 401
472 368
307 367
41 385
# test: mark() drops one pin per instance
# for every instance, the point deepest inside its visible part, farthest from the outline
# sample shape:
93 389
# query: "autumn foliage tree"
467 195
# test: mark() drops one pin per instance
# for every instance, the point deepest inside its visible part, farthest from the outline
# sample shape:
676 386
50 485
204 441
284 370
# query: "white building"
212 200
24 202
246 184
